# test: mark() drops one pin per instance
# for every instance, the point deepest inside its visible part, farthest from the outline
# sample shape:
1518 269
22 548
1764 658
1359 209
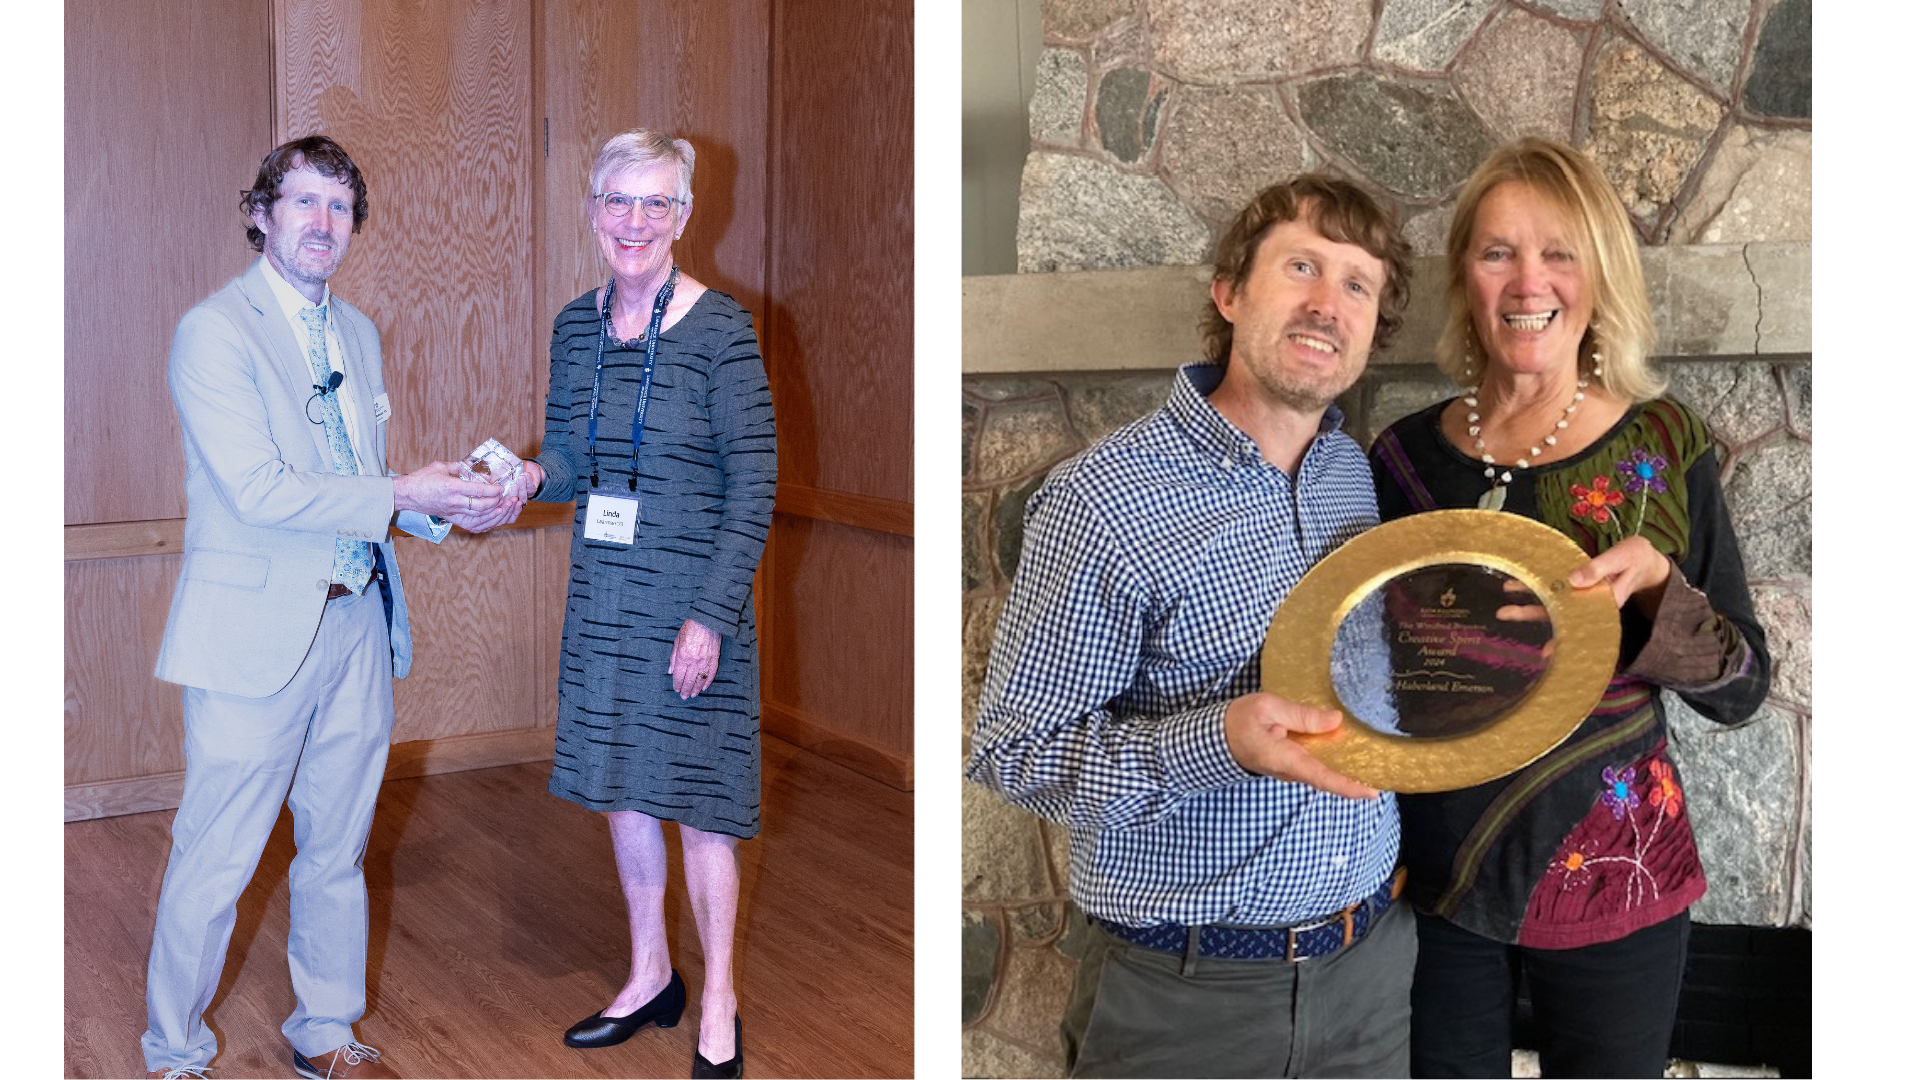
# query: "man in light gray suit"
288 622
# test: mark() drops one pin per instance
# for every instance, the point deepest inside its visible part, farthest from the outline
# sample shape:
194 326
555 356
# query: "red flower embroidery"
1666 793
1593 502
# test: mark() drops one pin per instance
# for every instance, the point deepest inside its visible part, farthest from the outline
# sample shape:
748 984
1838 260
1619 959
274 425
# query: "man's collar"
1196 415
290 299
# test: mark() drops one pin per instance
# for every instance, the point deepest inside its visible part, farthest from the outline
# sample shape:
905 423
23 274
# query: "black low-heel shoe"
664 1009
703 1069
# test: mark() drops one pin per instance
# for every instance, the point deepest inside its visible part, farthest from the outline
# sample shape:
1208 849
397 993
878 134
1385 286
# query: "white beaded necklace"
1496 496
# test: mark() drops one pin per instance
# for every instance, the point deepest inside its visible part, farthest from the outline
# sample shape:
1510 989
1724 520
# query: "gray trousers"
320 746
1137 1012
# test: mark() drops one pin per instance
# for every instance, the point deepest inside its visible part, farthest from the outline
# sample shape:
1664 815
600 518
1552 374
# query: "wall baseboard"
486 750
421 757
889 767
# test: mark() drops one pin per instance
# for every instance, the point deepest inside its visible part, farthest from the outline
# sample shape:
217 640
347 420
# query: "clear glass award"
491 463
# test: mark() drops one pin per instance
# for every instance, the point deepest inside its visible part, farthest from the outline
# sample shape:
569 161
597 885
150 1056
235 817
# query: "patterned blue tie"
352 560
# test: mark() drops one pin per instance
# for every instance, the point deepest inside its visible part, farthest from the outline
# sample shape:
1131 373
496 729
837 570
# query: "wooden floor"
497 922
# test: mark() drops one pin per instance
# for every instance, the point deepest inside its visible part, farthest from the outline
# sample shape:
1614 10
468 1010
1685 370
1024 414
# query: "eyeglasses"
618 204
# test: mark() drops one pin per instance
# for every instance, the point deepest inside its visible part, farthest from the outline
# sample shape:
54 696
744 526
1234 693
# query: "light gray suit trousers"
288 696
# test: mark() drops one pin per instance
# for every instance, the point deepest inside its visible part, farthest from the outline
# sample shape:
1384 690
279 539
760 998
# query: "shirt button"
321 584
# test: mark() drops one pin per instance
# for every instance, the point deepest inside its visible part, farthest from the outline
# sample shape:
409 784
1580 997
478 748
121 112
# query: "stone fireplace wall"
1153 121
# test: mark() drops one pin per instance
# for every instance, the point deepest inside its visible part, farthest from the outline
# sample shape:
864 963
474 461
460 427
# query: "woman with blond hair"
1576 872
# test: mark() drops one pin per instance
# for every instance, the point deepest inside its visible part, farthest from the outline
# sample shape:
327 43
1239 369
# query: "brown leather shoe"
354 1061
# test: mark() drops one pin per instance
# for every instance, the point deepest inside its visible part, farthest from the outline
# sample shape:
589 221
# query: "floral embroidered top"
1591 842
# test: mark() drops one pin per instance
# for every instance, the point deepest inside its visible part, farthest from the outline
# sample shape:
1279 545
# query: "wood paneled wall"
167 119
434 101
838 334
702 75
475 124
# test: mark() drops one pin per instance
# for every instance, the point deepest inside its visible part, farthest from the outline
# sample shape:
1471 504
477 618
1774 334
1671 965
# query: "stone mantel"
1733 300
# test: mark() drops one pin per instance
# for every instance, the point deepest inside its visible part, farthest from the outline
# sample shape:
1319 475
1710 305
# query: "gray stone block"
1097 404
1759 186
980 616
1058 110
1000 853
1781 82
1803 903
1579 10
1033 997
1701 36
1404 393
1078 19
1127 43
986 1054
1080 214
1009 526
1783 272
1705 299
1118 111
1786 612
1650 128
1036 924
1770 493
1426 232
1021 438
1411 136
1741 402
1222 147
1742 794
995 389
979 963
1798 380
973 518
969 428
1523 76
1215 42
1424 35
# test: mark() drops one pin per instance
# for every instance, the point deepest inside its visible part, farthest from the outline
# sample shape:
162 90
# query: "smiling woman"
660 432
1578 869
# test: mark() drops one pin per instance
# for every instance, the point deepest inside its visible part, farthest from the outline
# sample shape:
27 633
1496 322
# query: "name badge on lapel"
381 409
610 518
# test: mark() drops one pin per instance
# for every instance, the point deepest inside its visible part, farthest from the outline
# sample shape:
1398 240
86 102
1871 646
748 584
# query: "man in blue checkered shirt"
1239 894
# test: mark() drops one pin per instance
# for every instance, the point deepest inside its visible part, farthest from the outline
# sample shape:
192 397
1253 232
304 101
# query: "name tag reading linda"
610 518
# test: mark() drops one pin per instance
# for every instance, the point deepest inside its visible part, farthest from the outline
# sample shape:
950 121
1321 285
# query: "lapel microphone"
321 390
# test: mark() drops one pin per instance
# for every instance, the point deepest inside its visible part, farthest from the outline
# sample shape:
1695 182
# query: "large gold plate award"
1453 644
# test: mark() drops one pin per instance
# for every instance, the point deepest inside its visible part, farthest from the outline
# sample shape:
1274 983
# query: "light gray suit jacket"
263 503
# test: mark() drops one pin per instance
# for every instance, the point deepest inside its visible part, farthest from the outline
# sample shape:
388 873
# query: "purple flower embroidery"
1618 792
1642 472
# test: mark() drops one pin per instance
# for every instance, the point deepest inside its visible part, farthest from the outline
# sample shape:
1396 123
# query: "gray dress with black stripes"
625 740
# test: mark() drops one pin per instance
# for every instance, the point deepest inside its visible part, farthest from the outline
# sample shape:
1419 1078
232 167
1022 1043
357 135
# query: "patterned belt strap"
1305 941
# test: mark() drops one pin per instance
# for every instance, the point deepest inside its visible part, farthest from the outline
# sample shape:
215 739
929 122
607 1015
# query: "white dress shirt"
292 303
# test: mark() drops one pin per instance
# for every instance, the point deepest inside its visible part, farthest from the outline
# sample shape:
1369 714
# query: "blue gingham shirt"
1152 566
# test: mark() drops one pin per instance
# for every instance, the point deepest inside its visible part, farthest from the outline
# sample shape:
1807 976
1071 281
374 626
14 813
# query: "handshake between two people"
485 491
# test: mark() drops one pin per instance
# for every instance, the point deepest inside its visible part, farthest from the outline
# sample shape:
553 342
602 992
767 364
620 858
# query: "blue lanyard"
660 301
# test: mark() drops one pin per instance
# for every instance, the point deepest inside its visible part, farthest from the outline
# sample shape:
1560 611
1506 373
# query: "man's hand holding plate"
1260 729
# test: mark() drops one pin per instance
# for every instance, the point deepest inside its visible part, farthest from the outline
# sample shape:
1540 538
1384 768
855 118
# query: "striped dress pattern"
625 740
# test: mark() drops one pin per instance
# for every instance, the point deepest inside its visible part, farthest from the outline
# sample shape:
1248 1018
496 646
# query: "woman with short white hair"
660 432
